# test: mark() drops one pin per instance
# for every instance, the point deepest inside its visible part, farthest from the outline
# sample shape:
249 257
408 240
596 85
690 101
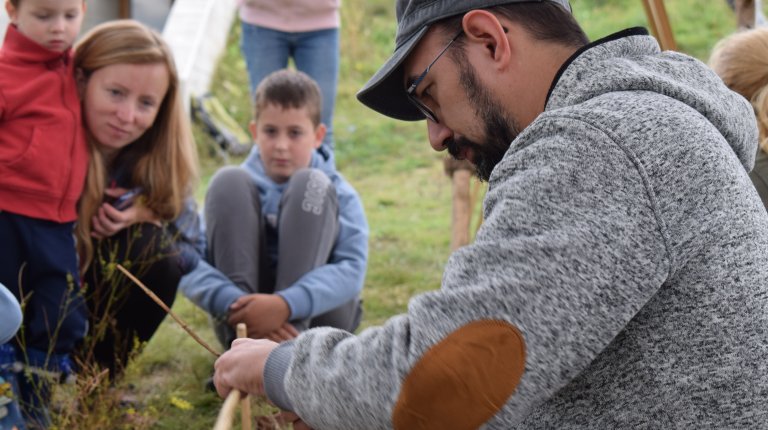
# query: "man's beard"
500 130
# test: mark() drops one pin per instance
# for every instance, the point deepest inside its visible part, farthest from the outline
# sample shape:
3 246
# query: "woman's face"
121 101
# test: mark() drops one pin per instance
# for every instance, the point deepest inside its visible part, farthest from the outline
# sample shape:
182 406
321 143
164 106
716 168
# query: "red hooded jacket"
43 153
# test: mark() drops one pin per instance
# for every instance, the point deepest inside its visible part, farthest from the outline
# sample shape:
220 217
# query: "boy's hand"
282 419
261 313
286 332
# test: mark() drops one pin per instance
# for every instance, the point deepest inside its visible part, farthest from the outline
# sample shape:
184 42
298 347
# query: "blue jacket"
10 315
319 290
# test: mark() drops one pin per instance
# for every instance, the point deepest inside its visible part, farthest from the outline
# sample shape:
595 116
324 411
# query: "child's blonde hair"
741 61
164 158
288 89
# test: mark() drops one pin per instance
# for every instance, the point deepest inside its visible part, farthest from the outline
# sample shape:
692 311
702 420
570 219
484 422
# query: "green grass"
407 198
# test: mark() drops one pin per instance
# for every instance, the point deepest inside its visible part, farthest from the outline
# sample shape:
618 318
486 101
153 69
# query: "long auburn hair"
164 158
741 61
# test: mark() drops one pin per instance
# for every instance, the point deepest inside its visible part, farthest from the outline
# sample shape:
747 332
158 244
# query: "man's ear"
484 28
320 131
10 10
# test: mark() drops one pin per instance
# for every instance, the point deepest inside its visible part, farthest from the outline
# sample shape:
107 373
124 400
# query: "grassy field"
406 195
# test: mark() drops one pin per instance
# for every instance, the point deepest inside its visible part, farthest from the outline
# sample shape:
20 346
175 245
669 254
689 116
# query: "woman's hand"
109 220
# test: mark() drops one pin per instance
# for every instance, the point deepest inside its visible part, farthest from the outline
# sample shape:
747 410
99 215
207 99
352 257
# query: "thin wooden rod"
157 300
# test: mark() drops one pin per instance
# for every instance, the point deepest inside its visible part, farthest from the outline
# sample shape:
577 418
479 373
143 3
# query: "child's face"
53 24
286 139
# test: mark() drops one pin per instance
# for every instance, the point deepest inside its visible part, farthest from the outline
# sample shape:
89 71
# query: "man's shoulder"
616 109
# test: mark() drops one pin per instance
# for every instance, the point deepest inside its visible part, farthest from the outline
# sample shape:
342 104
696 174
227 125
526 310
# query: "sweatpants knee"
311 190
229 178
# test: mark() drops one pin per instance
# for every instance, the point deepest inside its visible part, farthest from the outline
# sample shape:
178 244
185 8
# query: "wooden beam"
659 23
125 9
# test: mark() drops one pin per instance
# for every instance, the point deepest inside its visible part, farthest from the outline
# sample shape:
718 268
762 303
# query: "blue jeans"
315 53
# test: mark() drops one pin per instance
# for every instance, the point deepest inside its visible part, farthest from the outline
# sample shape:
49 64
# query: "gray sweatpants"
239 238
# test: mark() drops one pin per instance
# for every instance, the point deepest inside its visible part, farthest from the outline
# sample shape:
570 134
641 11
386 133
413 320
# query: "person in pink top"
305 30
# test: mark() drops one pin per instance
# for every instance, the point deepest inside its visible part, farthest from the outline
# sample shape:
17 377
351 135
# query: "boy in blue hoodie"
287 238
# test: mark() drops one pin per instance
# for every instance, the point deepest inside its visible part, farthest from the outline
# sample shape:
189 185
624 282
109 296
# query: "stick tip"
242 331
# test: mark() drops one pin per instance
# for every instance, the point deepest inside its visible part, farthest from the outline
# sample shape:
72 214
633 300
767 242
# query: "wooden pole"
125 9
227 412
659 23
245 403
462 209
157 300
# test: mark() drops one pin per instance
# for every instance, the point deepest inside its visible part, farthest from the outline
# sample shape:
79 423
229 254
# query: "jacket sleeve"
10 312
342 278
3 106
569 250
189 236
210 289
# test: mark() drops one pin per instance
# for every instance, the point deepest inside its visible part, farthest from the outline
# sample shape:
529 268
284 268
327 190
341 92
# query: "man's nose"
438 134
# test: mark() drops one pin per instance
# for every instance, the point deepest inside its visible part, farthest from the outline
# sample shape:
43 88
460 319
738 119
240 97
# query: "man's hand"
263 314
242 367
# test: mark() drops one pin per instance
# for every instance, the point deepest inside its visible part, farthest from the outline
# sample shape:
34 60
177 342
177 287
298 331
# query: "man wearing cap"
619 277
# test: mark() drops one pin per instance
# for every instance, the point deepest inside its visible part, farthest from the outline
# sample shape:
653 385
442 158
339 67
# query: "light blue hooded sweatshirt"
318 291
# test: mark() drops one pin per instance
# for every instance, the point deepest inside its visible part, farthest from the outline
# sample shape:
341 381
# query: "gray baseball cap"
385 91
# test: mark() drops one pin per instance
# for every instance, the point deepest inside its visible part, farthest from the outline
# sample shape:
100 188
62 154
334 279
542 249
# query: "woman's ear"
81 81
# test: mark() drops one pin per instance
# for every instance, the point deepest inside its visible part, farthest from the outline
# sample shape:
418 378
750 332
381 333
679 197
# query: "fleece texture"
622 237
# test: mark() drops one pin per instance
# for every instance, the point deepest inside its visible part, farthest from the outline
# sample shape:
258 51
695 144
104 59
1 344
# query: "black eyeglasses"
410 92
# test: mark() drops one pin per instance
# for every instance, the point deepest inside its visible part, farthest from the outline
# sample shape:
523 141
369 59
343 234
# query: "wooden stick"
245 403
462 209
157 300
659 23
227 412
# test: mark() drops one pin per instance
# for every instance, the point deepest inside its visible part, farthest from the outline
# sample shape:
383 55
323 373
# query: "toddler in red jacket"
43 160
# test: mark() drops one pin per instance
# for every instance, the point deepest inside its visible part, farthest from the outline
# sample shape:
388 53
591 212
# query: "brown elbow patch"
463 381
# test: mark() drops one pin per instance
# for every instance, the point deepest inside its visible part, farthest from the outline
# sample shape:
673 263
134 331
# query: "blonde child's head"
286 122
53 24
741 61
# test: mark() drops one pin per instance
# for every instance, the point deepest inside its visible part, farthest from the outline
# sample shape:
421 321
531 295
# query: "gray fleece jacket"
622 240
